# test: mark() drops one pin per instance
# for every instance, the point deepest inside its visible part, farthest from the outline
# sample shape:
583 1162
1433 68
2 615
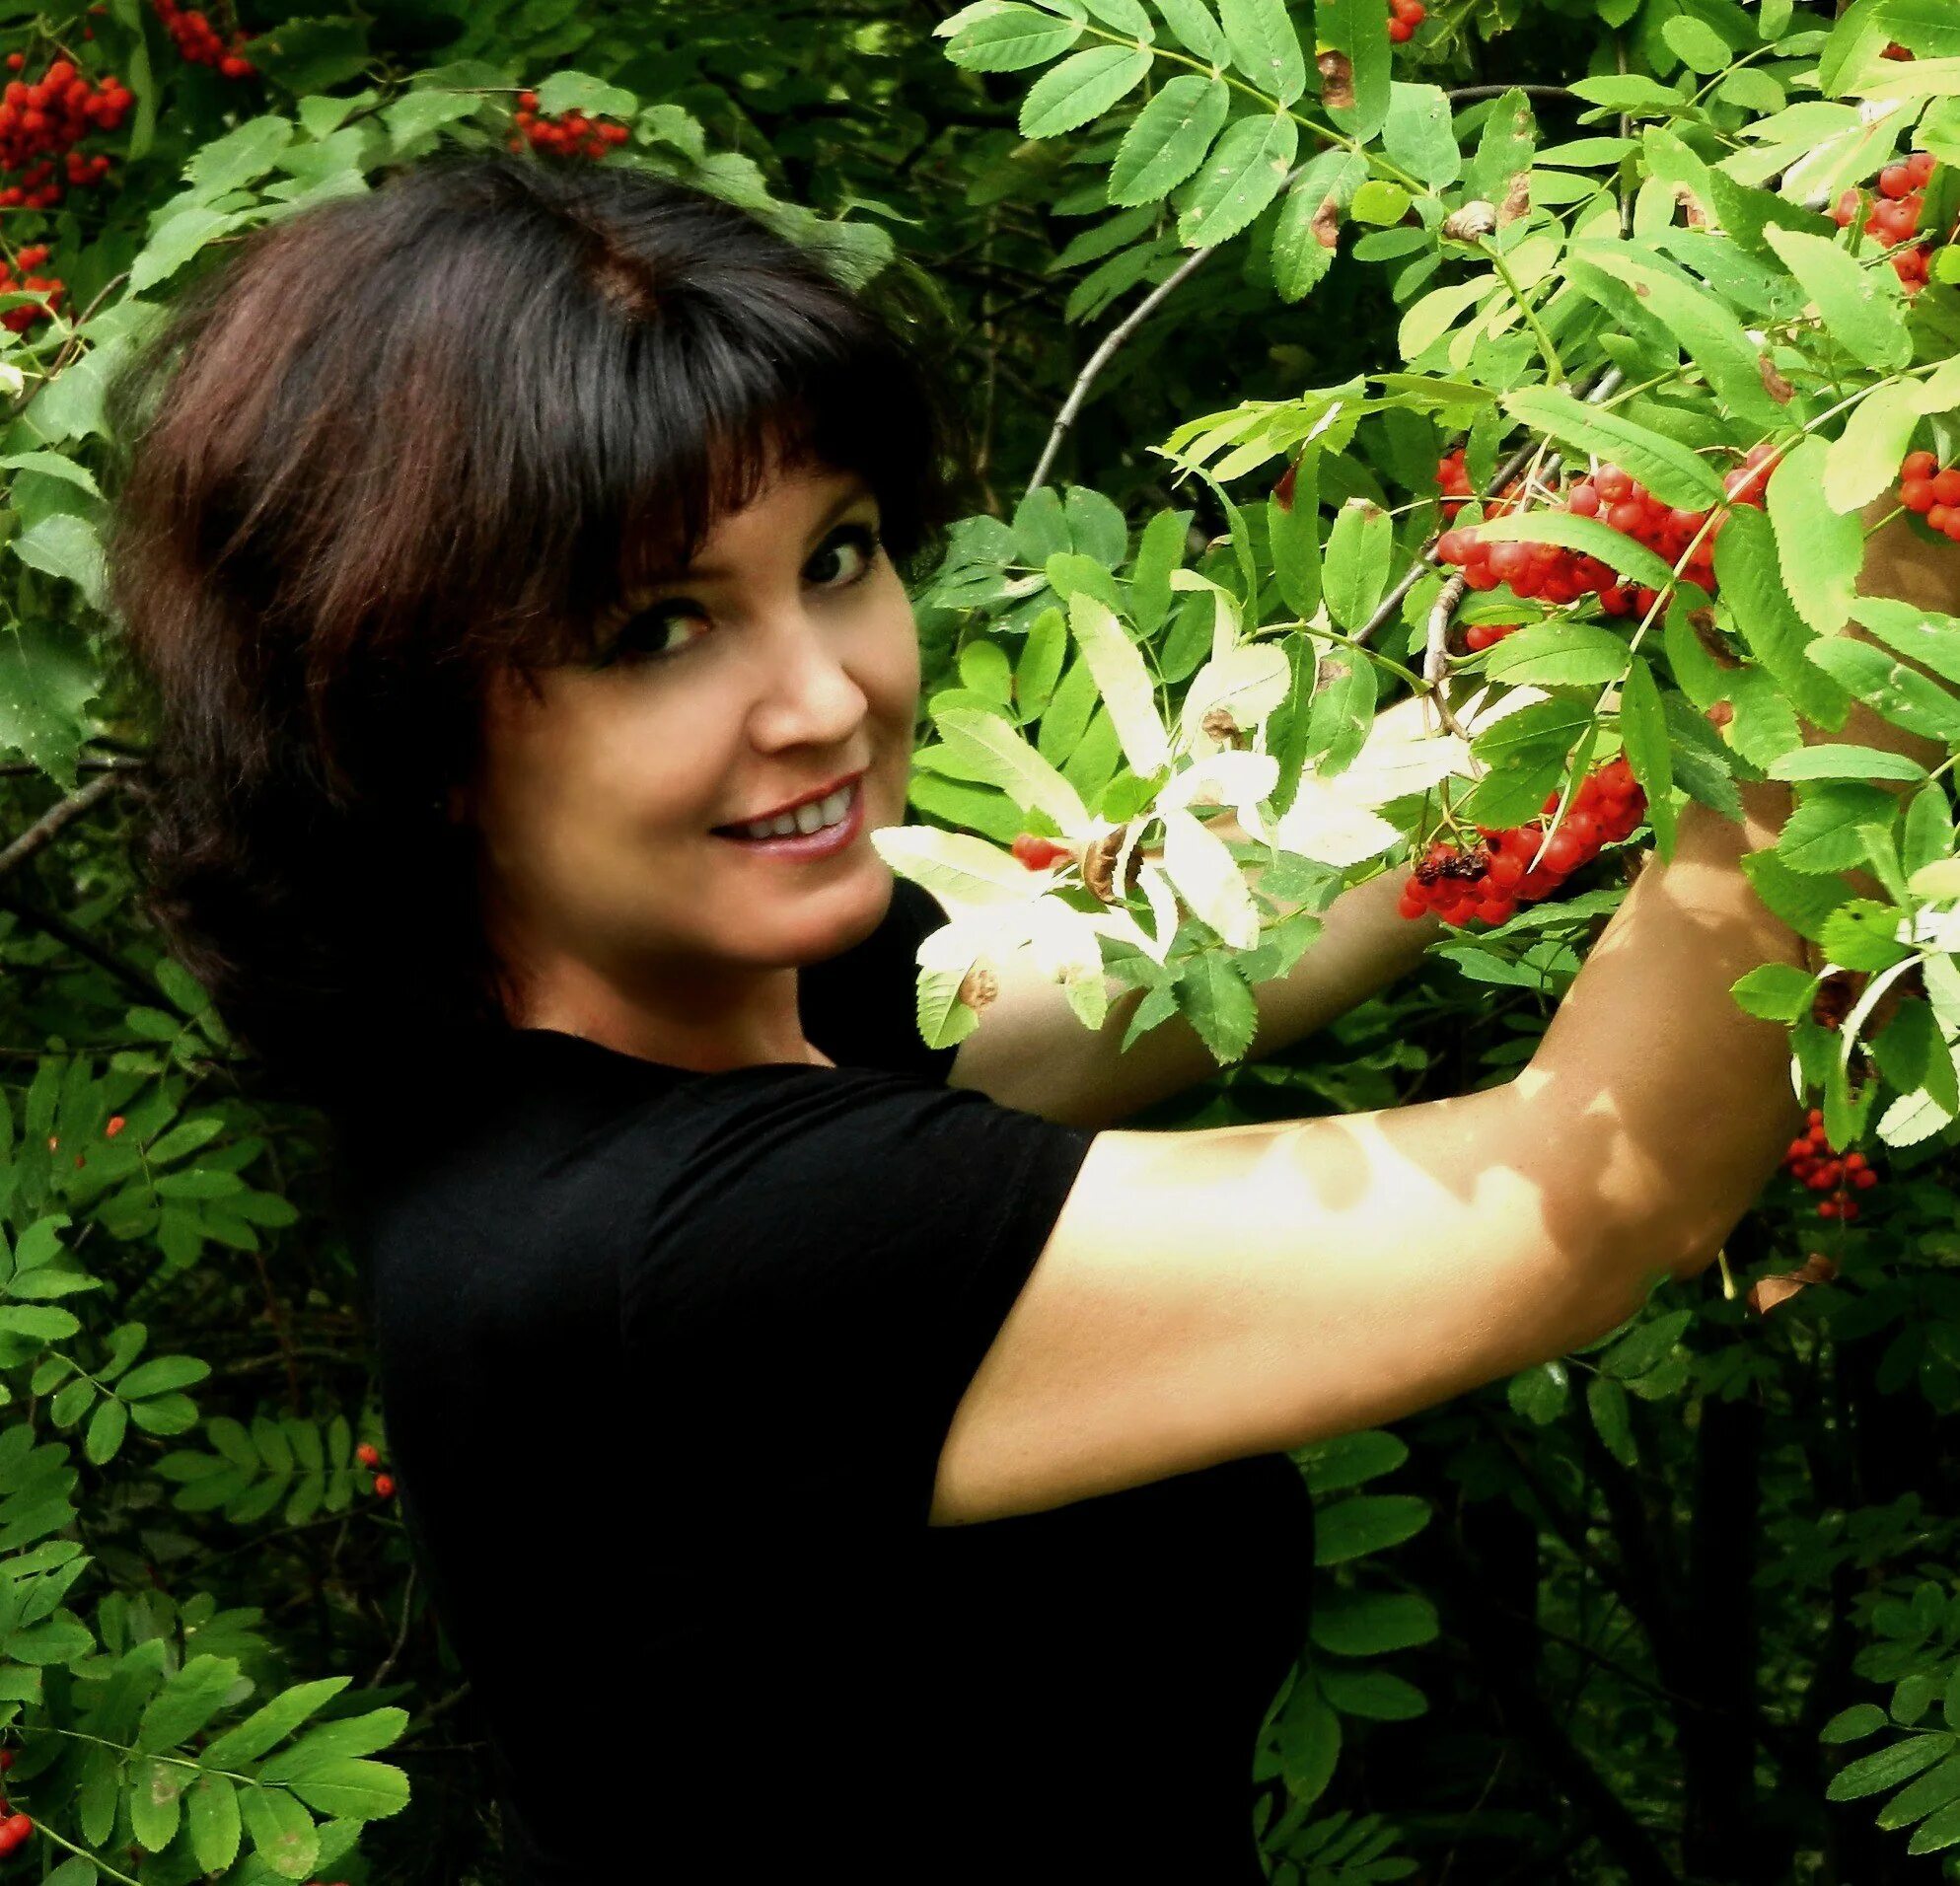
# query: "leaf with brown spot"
1517 199
1336 80
1325 223
1773 383
1767 1292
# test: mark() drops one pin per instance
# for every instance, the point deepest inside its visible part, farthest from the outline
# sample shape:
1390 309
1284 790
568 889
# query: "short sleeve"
824 1271
861 1008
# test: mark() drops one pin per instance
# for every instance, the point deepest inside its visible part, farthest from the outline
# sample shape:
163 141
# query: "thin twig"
63 813
83 944
401 1635
1435 651
1116 337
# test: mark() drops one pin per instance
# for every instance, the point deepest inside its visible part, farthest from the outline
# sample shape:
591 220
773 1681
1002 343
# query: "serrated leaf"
1752 586
1352 1528
1819 549
1169 139
1243 174
272 1722
211 1807
1125 682
1008 38
1082 87
1862 307
1265 47
999 755
1671 472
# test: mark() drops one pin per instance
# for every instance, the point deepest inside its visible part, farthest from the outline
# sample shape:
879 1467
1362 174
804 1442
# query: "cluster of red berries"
370 1456
1811 1162
20 319
41 122
1931 493
1489 881
1404 17
569 134
1894 218
200 44
1558 575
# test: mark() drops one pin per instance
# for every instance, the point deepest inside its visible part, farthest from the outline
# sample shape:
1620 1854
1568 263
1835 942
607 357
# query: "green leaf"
1819 549
65 545
1633 561
1862 308
1355 571
1775 992
1902 695
1671 472
1239 179
1833 762
162 1373
175 240
354 1789
1540 1394
1342 1460
282 1832
1888 1767
272 1723
1930 639
1082 87
1696 320
1010 40
1822 834
1169 139
1214 998
1752 587
1935 1789
1862 934
240 156
570 90
1612 1417
1375 1694
1419 136
1342 713
1643 729
187 1702
1366 1523
153 1794
1563 654
1370 1624
1265 47
1851 1725
1862 463
1353 28
106 1427
211 1807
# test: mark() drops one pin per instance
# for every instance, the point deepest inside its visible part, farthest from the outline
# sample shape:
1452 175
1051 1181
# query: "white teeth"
804 819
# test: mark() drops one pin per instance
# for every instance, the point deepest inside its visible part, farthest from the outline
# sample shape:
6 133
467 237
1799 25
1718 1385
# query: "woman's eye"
645 634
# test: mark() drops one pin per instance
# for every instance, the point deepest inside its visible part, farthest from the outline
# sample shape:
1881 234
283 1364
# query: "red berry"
1915 494
1946 488
368 1454
384 1485
1038 853
1896 180
117 1122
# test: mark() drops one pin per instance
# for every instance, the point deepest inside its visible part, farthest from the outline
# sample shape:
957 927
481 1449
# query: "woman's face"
785 662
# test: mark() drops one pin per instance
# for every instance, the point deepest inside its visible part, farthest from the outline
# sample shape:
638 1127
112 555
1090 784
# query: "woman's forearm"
1684 1098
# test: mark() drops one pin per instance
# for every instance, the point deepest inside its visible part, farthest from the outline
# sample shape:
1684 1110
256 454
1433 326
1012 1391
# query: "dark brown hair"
396 441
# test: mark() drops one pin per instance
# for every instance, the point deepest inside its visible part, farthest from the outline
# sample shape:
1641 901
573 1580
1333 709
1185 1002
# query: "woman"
819 1447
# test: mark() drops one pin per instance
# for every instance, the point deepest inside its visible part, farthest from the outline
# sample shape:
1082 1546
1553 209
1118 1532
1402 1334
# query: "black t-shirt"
668 1359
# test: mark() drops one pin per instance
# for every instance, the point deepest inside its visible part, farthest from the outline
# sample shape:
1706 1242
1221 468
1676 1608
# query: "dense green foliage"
1683 1606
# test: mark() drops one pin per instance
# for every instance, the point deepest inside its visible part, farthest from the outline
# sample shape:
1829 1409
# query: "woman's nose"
809 696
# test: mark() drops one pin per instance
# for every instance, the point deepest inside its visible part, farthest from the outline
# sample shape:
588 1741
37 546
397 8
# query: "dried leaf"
1472 223
1773 383
1326 226
1517 199
1337 81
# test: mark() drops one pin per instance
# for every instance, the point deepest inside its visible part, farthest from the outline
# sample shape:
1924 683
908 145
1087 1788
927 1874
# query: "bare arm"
1211 1295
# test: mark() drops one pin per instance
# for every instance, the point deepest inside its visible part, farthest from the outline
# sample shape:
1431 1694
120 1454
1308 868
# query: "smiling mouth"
819 815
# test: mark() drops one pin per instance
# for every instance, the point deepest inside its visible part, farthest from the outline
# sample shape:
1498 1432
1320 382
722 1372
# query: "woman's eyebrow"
713 572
